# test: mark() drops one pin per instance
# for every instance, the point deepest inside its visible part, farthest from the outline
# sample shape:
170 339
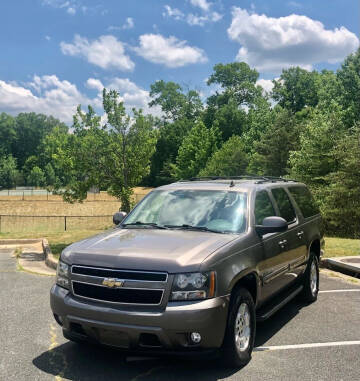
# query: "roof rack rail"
261 179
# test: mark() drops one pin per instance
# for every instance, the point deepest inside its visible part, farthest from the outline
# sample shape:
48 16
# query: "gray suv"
193 267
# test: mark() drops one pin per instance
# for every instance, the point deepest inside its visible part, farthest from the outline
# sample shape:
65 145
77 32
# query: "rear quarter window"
305 201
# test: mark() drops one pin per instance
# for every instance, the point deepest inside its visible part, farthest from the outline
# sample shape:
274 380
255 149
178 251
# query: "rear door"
293 240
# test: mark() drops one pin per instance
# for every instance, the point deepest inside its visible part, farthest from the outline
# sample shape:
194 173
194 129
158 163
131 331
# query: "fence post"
0 223
23 196
65 222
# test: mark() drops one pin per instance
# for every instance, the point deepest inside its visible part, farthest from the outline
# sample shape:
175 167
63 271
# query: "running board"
267 311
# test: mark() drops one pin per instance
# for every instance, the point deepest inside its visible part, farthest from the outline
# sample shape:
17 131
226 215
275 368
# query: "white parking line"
345 290
311 345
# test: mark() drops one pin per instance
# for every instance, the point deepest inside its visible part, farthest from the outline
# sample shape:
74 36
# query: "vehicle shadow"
88 362
267 329
81 362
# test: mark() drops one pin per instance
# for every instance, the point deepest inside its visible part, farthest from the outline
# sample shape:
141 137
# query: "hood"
146 249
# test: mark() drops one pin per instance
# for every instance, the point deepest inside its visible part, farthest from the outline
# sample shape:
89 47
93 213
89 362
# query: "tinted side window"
305 201
286 210
263 207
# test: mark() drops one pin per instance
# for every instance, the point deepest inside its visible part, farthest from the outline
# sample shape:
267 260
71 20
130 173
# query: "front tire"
240 331
311 280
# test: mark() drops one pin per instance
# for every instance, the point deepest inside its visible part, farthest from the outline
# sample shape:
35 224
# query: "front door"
274 264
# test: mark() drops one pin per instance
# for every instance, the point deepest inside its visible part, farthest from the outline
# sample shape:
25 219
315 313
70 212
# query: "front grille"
117 295
134 287
122 274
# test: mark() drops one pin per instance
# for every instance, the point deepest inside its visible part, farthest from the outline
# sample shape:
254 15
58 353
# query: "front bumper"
137 330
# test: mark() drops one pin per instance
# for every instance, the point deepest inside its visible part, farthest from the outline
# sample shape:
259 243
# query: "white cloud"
49 96
201 20
48 38
129 24
271 44
266 84
206 15
71 11
106 52
170 51
294 4
173 12
203 4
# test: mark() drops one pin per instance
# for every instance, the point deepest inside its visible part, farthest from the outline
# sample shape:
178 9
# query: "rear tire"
311 280
240 331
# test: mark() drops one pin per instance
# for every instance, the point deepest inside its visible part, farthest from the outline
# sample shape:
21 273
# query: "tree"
342 207
237 80
36 177
50 177
114 156
194 151
349 80
174 103
271 152
295 89
30 129
8 172
169 140
7 133
230 160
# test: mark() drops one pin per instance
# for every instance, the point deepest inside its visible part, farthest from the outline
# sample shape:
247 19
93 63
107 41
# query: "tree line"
306 128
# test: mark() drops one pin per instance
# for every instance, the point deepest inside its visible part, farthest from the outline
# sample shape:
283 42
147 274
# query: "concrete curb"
19 241
338 264
50 260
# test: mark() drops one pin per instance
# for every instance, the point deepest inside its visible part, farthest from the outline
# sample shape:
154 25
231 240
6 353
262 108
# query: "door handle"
282 243
300 234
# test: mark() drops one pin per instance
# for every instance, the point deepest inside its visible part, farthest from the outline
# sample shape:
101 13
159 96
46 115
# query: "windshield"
219 211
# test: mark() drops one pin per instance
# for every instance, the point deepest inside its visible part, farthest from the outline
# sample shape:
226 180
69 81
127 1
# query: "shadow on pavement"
268 328
81 362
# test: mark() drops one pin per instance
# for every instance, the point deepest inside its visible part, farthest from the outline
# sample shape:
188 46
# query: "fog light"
195 337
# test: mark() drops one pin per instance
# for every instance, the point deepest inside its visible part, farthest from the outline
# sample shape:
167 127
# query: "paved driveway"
316 342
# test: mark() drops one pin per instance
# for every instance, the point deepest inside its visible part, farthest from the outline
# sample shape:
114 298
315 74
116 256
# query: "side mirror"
272 225
118 217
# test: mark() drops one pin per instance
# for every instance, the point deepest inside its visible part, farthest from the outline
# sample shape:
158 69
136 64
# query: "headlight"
62 275
193 286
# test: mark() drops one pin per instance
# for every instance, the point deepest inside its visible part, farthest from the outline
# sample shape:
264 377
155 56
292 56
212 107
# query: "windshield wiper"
149 224
191 227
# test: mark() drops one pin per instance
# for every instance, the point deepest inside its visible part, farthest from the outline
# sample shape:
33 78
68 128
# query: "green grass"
341 247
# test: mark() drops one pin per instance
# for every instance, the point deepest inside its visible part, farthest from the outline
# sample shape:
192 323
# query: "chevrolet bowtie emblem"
112 282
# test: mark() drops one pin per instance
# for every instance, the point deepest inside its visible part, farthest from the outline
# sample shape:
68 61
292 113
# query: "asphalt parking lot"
315 342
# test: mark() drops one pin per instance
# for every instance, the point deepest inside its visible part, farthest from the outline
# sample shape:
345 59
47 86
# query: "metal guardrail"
24 223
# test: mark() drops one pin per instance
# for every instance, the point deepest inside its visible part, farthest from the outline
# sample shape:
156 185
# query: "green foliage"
194 151
50 177
230 160
349 80
237 80
295 89
173 102
170 137
36 177
342 208
272 150
115 156
7 133
8 172
30 129
314 160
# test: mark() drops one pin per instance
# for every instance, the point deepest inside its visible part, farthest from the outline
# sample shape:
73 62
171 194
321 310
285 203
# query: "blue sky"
58 53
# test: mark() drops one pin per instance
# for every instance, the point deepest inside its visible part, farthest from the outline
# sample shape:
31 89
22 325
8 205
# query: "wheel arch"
249 280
